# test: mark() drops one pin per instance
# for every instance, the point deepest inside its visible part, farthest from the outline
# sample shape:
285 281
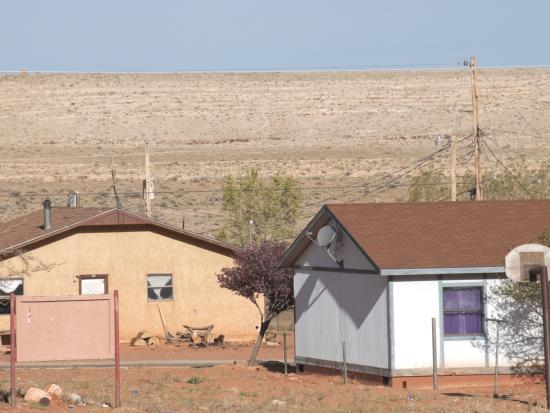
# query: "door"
93 284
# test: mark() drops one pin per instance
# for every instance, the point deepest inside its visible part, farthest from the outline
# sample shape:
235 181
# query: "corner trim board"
391 335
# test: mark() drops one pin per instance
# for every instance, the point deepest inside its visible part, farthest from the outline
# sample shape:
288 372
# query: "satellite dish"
520 262
325 236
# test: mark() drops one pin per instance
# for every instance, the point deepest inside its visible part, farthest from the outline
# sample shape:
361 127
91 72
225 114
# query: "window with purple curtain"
463 311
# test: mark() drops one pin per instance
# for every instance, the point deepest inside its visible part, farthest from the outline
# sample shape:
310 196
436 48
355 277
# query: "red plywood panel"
65 328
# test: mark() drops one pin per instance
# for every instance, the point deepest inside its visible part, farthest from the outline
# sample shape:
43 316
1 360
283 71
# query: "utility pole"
477 143
453 168
148 185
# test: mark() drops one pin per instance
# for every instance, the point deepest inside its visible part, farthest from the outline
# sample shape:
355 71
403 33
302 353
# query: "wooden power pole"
453 168
148 185
477 143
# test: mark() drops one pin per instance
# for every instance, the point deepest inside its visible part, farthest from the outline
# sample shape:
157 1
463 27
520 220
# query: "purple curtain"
461 298
458 322
462 324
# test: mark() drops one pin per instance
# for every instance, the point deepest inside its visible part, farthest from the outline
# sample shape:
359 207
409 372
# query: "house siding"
414 304
333 308
335 305
127 257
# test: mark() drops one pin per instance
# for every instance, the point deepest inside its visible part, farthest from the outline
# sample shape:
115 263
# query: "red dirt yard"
237 388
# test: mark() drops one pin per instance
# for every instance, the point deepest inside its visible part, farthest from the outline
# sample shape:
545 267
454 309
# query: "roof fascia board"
112 210
283 261
333 269
442 271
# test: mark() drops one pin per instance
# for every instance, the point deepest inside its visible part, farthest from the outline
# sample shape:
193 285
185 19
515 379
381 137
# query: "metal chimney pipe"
47 214
77 199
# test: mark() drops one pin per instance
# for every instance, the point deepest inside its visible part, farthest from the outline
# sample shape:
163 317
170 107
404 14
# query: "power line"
538 134
408 168
185 191
509 171
520 133
182 209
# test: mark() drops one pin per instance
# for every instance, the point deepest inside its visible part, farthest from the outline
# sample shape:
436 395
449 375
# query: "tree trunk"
258 343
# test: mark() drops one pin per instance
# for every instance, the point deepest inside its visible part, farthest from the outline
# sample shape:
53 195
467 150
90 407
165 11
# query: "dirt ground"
328 130
260 389
230 351
183 351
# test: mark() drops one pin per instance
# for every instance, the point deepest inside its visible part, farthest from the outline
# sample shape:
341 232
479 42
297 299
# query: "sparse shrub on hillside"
518 182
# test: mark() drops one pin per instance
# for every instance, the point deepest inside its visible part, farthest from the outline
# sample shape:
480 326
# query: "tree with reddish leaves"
254 275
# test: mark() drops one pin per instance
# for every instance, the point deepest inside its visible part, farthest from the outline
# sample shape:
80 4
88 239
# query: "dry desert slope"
57 132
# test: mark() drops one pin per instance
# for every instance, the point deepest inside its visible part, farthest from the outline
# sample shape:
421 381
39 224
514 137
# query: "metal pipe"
434 354
546 328
13 349
117 350
495 385
345 364
285 353
47 214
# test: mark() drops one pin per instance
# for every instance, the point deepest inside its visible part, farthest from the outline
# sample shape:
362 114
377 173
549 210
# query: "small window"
92 284
463 311
8 286
159 287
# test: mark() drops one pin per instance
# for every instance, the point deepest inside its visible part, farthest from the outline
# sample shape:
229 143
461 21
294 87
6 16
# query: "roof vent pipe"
47 214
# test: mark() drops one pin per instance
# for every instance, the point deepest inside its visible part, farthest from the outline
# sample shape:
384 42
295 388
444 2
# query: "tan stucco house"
72 251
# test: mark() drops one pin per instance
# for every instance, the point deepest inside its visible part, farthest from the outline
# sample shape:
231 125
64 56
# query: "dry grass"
326 129
242 389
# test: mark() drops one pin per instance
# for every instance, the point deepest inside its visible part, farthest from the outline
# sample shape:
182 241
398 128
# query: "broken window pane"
8 286
159 287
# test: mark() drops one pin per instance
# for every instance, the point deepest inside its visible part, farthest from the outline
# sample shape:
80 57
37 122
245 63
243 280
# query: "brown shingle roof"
443 234
29 226
27 230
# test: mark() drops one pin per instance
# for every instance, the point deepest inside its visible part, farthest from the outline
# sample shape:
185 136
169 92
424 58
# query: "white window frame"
171 286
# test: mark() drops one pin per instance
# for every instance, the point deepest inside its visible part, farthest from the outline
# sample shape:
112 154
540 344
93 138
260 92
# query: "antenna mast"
148 185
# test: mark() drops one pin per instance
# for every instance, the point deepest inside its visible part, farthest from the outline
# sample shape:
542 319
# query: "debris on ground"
74 398
219 340
55 390
34 394
146 338
195 380
278 403
198 335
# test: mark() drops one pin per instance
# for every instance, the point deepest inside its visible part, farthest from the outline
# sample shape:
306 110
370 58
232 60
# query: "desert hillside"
329 130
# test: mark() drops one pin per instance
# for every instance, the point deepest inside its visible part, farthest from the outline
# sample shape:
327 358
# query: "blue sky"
163 35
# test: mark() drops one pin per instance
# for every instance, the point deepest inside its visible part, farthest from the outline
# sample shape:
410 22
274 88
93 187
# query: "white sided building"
374 283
